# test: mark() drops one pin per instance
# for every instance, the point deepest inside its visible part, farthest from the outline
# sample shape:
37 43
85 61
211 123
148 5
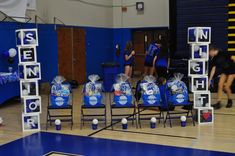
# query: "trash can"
110 71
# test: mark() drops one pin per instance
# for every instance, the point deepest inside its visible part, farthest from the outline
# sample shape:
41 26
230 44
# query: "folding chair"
58 104
122 100
176 98
93 102
149 101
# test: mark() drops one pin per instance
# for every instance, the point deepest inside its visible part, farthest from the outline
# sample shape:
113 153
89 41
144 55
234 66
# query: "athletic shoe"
217 105
230 103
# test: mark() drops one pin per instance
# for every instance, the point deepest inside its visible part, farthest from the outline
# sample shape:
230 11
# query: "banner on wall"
14 8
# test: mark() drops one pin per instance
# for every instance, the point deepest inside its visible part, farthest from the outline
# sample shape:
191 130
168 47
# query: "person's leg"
227 88
127 70
130 72
222 81
145 70
151 70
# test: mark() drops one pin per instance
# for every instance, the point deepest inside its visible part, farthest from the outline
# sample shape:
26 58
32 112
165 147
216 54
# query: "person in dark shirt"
161 61
223 62
129 58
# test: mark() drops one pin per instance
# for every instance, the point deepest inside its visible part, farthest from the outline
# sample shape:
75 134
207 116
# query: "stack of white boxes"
199 39
29 74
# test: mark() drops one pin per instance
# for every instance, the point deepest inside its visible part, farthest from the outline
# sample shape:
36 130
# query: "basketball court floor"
217 139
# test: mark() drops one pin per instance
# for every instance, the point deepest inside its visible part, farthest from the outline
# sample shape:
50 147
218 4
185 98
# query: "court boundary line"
224 114
157 134
56 152
114 123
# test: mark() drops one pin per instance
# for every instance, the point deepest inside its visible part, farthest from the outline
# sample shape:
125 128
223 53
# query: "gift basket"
60 92
177 92
150 91
122 91
93 91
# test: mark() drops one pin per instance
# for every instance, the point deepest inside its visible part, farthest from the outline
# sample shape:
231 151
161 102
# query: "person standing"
150 54
129 54
161 60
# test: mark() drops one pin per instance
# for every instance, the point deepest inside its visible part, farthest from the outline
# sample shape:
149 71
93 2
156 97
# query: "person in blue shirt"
150 55
129 58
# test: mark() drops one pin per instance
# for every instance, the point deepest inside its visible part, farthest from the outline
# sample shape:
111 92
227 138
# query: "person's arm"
128 57
212 73
154 60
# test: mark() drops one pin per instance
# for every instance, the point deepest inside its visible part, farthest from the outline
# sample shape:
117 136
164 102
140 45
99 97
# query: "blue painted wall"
121 36
99 48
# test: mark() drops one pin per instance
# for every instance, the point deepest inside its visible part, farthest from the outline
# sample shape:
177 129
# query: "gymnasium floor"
213 140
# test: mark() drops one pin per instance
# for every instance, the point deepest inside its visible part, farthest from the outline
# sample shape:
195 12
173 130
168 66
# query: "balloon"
25 92
195 32
35 119
36 69
57 122
183 118
95 121
196 48
153 120
12 52
124 121
21 35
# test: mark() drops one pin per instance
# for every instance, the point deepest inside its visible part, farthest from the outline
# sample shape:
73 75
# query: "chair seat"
58 107
90 106
148 105
124 106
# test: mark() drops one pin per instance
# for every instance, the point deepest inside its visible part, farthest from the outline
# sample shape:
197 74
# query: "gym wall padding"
121 36
198 13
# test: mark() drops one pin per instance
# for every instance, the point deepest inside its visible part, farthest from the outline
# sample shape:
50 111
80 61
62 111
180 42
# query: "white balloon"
35 119
183 118
153 120
196 48
12 52
27 71
200 31
195 32
21 35
36 69
33 41
25 92
57 122
37 102
124 121
95 121
204 55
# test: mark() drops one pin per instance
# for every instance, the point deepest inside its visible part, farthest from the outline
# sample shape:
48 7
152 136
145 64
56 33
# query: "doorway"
72 53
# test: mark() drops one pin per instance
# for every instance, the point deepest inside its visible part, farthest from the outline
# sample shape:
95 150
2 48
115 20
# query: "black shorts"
161 71
229 70
131 65
148 64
